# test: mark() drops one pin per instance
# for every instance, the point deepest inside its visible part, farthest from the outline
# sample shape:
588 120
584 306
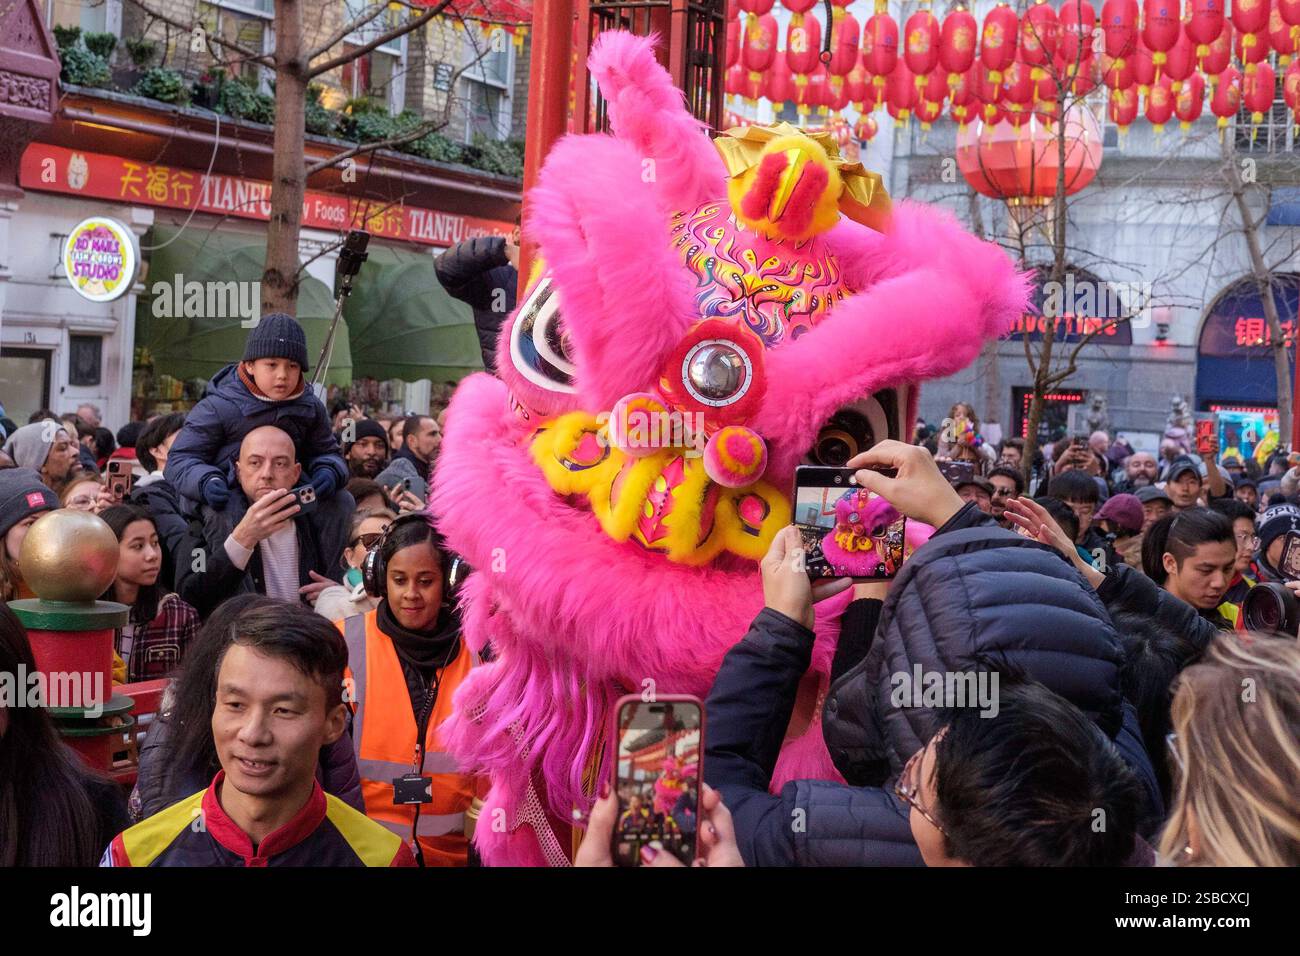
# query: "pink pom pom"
735 456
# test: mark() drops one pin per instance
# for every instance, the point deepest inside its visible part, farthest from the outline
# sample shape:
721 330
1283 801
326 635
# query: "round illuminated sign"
100 259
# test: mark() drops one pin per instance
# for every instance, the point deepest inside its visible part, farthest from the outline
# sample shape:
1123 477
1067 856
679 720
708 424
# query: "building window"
375 75
489 59
85 359
246 23
91 17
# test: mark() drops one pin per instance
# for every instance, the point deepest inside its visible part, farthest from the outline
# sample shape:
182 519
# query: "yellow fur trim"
802 151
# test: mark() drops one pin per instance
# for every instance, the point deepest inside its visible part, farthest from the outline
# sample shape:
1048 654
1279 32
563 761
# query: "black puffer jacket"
980 598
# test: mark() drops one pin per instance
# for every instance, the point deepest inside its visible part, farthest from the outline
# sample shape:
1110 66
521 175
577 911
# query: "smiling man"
279 700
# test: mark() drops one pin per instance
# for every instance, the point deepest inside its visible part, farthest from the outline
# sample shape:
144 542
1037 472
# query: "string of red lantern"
1163 57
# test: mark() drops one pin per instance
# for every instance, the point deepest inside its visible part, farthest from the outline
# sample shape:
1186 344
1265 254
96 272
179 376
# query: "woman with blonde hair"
1235 756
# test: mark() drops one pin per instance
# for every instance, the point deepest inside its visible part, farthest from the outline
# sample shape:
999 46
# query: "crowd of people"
279 567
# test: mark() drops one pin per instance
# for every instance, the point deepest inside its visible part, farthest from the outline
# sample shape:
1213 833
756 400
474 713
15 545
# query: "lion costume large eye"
717 369
717 372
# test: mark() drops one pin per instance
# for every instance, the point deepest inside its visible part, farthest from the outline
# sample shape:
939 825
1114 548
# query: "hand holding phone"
917 489
657 754
120 479
1206 439
1289 562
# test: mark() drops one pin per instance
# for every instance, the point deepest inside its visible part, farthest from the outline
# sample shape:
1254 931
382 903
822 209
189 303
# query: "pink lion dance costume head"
703 313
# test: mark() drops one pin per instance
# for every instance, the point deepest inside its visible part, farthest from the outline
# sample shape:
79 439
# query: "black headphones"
374 570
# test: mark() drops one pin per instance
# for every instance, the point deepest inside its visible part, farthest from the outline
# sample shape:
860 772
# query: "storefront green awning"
193 331
404 325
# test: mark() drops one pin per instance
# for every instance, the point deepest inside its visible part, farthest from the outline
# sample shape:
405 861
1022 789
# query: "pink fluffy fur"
647 111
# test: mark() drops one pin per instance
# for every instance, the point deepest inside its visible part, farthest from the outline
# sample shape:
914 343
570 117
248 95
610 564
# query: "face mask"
353 577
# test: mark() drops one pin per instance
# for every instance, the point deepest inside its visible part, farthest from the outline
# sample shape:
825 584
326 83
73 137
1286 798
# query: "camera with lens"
1273 608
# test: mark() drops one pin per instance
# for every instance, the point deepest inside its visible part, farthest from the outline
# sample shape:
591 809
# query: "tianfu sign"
100 259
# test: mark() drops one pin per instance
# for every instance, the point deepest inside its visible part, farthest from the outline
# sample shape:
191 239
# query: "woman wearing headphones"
405 661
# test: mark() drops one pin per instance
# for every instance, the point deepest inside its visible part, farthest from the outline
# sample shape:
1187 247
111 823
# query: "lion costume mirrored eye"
538 346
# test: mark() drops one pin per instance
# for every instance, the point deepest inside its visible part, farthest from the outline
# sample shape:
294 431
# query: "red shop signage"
73 172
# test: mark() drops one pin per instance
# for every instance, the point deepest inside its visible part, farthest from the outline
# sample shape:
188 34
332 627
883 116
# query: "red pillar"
548 98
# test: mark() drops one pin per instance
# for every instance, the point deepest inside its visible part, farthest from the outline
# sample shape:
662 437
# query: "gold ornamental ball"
69 556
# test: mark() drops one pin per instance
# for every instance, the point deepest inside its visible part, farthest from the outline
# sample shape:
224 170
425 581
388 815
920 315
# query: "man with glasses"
1007 484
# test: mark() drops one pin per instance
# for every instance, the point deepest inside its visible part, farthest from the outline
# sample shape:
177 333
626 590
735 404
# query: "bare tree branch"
387 37
418 132
244 52
356 23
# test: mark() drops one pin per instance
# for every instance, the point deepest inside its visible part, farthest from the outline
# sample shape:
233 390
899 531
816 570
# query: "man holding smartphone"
265 542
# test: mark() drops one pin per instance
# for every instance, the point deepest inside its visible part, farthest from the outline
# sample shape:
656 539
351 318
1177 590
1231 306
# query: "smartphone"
847 531
306 496
120 478
658 752
1289 562
957 471
1205 427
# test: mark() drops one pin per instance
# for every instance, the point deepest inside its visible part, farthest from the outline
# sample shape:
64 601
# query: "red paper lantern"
1291 90
1251 48
798 7
1123 108
844 45
1119 19
1225 100
1257 88
1078 21
735 84
1250 17
1144 68
927 111
1206 24
819 90
1017 92
1117 74
933 86
1181 62
1219 56
857 84
756 8
900 94
1189 101
1161 24
1289 10
866 128
921 42
780 84
1281 36
998 40
1019 166
987 93
880 51
1039 32
733 43
760 45
803 47
1160 103
957 43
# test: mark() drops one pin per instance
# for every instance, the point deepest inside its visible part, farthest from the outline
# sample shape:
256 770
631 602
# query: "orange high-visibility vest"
383 738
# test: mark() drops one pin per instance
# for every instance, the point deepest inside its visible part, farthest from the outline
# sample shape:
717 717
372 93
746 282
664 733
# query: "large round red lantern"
921 42
1160 103
1257 90
1119 23
1021 167
845 33
1226 98
957 43
1038 37
1161 24
1189 101
998 40
880 51
1123 108
780 84
1250 17
803 47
